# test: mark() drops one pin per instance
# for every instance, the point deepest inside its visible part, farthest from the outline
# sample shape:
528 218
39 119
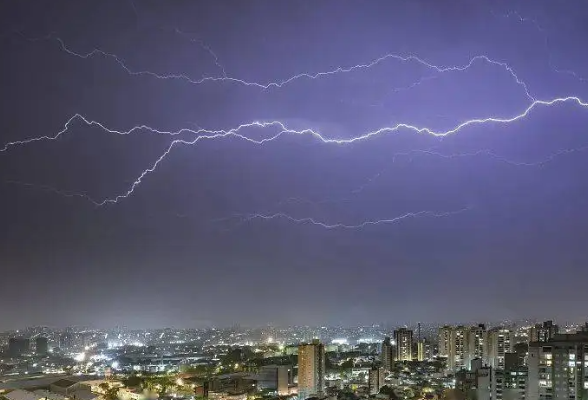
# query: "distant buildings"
17 346
311 369
41 346
66 341
403 339
387 354
543 332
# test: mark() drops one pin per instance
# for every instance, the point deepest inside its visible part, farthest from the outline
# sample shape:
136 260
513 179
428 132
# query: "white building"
501 341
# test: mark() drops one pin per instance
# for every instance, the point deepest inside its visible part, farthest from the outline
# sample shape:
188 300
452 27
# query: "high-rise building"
421 350
510 383
543 332
311 369
476 384
420 345
375 379
41 345
17 346
458 355
403 339
477 347
487 383
66 341
444 341
558 368
501 341
387 354
461 345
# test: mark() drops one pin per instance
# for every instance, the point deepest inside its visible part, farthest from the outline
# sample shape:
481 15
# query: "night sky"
229 230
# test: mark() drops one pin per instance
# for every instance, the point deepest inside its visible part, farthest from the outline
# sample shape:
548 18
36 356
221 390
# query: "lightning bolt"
485 152
208 134
235 132
515 14
51 189
303 75
206 47
312 221
300 200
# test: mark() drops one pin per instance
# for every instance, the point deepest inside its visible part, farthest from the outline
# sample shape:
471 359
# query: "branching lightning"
54 190
303 75
423 152
516 15
206 47
203 134
312 221
191 137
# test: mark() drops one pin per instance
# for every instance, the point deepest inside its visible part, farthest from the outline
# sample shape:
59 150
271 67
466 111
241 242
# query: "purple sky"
162 256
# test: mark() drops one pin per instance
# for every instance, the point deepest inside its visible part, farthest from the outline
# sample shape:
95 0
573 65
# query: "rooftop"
64 383
19 394
48 395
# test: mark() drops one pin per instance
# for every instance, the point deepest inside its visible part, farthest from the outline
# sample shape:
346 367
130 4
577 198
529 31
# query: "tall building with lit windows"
477 346
444 341
558 368
501 341
311 369
421 350
454 344
403 339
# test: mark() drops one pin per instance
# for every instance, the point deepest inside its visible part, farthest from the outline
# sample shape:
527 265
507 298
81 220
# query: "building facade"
543 332
501 342
558 368
458 357
444 341
403 339
41 346
387 354
311 369
477 345
376 377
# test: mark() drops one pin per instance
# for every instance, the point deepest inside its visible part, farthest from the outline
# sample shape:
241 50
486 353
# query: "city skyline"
203 164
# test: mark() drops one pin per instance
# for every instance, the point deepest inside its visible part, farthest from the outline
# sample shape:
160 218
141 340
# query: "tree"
388 391
133 381
109 392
